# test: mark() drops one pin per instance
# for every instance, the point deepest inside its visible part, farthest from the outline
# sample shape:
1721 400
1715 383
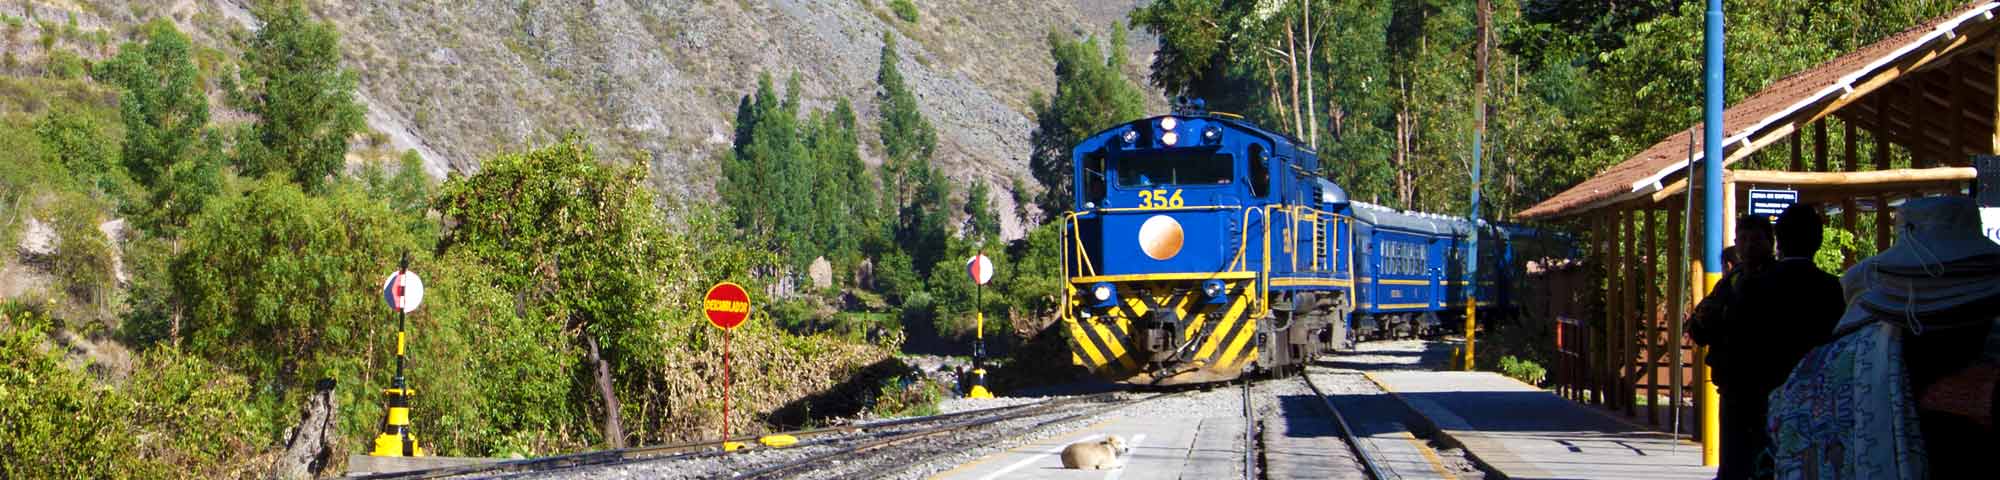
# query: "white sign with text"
1989 220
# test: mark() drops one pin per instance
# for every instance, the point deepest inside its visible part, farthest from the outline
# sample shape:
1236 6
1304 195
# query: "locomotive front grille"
1165 333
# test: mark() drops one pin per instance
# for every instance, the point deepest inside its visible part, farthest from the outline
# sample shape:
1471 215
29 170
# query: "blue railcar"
1201 246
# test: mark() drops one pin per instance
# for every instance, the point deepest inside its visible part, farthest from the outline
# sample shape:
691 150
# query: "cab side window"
1260 171
1093 178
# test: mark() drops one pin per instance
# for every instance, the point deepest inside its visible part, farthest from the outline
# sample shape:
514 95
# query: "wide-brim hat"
1939 265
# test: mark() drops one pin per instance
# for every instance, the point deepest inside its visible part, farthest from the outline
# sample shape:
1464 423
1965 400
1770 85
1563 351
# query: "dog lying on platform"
1094 455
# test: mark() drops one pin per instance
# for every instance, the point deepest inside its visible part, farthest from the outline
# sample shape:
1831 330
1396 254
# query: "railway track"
870 433
1252 451
1370 460
812 466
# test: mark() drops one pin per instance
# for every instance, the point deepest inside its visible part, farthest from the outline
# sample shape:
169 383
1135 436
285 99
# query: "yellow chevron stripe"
1194 326
1236 344
1111 344
1237 363
1138 307
1083 342
1228 320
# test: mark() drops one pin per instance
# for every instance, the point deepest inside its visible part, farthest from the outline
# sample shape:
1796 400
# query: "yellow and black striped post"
980 268
397 439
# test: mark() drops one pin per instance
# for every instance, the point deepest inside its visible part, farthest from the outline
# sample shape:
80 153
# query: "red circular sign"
726 305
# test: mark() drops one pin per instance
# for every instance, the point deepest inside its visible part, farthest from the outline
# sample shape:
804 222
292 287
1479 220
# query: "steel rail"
1250 449
775 471
1366 455
684 449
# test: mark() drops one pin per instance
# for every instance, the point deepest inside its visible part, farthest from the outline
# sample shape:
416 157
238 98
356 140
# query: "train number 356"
1158 198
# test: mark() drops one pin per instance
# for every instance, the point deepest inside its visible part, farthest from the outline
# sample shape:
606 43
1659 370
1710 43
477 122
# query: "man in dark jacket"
1751 254
1780 313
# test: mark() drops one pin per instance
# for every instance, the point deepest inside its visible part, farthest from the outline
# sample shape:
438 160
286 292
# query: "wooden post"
1849 162
1993 137
1920 155
1882 145
1650 315
1600 341
1614 320
1819 146
1629 359
1676 312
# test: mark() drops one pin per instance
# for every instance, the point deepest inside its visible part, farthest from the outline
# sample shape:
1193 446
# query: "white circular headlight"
1161 237
1130 136
1169 138
1168 123
1101 292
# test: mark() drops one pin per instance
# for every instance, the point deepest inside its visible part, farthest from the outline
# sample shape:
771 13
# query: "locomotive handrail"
1243 248
1193 208
1238 265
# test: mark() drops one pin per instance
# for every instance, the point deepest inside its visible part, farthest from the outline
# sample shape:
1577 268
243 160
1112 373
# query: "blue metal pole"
1712 208
1472 256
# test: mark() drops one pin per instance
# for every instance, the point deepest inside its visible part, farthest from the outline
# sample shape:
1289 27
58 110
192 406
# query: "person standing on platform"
1707 324
1788 309
1906 388
1778 311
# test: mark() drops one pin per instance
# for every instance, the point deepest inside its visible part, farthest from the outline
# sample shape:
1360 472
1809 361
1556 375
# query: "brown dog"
1095 455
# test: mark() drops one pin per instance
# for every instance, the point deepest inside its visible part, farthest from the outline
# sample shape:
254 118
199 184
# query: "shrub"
65 65
904 9
82 263
78 142
53 423
908 396
190 415
1523 370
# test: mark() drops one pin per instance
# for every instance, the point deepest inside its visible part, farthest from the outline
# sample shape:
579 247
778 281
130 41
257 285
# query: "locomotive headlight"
1106 295
1161 237
1213 288
1211 134
1169 138
1130 137
1168 123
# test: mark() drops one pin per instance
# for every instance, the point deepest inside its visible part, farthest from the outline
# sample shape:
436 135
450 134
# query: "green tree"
906 135
303 99
160 100
584 261
78 142
278 285
1092 94
983 223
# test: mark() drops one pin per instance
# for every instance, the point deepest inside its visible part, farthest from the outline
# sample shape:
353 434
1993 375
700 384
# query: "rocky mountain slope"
459 80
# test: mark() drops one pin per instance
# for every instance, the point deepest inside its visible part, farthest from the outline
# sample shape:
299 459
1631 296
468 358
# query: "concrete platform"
1524 432
1210 448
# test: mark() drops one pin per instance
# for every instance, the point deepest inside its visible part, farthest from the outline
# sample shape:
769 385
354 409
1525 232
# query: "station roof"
1787 105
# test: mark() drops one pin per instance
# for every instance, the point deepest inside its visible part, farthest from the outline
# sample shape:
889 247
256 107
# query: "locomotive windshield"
1176 168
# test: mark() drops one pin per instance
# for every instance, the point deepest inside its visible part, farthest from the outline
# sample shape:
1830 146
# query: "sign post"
726 305
980 269
403 291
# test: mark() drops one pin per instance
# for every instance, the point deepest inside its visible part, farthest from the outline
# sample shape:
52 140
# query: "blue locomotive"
1202 246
